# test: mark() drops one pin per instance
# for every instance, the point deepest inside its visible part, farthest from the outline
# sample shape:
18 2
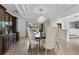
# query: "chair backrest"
51 37
30 36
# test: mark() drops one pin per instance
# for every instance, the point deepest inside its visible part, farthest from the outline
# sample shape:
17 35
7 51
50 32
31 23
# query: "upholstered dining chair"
32 41
50 42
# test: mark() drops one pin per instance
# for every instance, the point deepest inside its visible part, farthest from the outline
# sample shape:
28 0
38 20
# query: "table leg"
39 47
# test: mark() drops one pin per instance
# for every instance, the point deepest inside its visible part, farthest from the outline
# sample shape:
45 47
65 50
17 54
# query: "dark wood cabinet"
6 16
10 21
14 24
6 41
17 36
2 12
1 44
10 26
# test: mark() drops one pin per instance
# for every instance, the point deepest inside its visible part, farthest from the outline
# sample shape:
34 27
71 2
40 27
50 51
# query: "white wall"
66 26
22 26
66 23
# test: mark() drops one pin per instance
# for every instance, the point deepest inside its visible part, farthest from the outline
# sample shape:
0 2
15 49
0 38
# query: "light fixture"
41 19
40 9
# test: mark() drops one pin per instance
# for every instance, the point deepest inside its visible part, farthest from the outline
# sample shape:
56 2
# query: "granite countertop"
8 34
64 29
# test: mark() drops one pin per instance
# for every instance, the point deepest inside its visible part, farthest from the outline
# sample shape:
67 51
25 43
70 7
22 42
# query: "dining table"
39 38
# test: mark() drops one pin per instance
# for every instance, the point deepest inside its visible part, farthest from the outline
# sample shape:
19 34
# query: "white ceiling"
47 10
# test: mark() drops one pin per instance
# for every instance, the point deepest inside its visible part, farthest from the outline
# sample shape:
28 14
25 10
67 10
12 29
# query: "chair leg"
45 51
38 49
29 48
57 44
54 51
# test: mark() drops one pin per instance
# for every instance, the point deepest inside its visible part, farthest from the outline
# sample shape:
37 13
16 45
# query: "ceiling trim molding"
25 10
18 9
21 12
29 11
70 16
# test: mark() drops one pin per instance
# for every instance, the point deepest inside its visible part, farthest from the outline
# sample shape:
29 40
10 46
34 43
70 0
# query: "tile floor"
21 48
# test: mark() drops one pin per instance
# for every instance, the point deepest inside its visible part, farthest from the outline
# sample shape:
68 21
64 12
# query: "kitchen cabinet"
8 30
6 41
2 12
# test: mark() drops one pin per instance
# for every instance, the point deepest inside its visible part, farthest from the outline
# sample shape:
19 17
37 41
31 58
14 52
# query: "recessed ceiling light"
76 15
40 9
16 11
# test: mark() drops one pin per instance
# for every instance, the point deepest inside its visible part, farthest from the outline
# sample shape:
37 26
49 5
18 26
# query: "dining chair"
32 41
50 42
